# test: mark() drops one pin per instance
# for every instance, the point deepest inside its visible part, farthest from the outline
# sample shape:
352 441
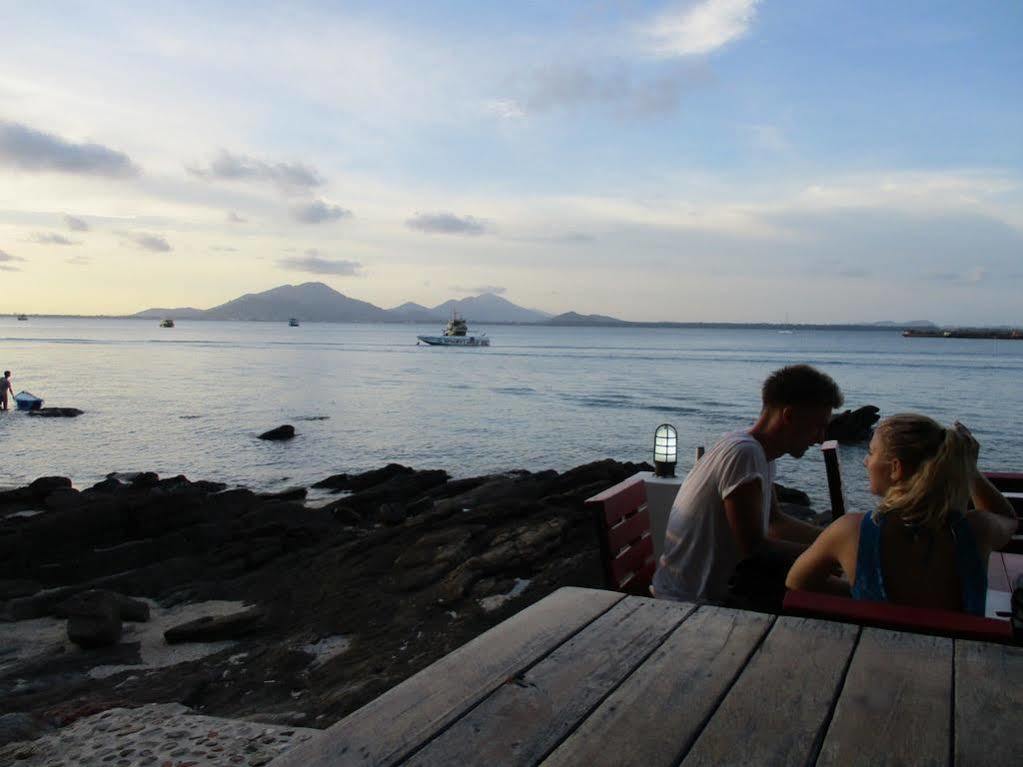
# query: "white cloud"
701 28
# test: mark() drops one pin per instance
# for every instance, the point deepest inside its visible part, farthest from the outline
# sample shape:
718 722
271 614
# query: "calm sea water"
191 400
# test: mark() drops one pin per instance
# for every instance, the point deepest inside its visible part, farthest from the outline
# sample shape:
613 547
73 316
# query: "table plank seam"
517 678
686 747
822 732
689 613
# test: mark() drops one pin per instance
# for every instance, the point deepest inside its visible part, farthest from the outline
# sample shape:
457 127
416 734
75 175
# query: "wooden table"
587 677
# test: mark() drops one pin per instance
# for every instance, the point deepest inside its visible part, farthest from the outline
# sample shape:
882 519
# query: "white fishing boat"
456 333
167 323
293 322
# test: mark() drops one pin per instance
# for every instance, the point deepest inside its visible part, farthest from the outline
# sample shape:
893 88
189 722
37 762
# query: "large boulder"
43 486
215 628
853 426
128 609
55 412
287 431
94 620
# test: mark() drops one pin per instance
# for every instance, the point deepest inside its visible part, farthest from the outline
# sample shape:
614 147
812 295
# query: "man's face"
805 427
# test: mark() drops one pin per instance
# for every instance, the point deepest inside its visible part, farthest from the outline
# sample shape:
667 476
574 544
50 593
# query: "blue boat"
27 401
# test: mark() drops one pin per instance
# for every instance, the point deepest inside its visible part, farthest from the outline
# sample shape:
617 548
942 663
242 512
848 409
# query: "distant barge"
998 335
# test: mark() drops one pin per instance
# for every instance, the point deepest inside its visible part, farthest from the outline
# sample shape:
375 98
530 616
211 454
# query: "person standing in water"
5 386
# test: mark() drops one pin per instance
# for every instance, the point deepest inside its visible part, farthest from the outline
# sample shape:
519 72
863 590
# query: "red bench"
623 531
922 620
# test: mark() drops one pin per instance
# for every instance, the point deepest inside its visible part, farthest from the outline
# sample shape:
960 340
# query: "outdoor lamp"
665 450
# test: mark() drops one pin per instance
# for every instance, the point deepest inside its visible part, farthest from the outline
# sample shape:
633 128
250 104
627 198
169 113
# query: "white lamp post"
665 450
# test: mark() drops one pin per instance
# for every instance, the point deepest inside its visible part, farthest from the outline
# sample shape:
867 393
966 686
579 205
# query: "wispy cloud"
75 224
497 290
287 176
24 148
79 260
5 262
318 212
973 276
223 248
315 263
700 28
234 218
51 238
447 223
146 241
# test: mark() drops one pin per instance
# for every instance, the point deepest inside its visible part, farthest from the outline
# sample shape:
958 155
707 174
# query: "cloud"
497 290
153 242
234 218
288 176
568 238
974 276
314 262
700 28
614 85
447 223
50 238
6 259
27 149
224 248
75 224
79 260
318 211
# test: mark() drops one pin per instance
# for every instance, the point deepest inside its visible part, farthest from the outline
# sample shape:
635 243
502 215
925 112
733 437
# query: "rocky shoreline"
259 607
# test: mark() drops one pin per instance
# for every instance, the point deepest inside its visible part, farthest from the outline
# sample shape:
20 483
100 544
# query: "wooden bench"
623 531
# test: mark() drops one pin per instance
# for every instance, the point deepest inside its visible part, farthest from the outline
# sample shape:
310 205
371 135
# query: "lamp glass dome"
666 444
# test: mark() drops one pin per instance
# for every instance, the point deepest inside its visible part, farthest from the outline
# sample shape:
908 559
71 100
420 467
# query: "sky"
701 160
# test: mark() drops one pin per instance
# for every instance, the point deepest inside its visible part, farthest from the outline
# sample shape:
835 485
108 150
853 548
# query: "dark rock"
791 495
799 511
215 628
19 726
145 479
291 494
853 426
55 412
209 487
18 588
358 482
391 514
108 485
94 620
62 499
128 609
287 431
43 486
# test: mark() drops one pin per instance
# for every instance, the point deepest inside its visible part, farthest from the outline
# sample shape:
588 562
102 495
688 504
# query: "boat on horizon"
293 322
167 323
456 333
22 317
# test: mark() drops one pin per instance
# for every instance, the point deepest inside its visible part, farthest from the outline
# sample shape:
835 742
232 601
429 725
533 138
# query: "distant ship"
293 322
167 323
996 334
456 333
22 317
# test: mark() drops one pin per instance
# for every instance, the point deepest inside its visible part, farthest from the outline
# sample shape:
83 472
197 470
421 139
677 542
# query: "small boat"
22 317
293 322
167 323
456 333
27 401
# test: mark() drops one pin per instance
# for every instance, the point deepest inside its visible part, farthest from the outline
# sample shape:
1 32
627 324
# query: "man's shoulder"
738 442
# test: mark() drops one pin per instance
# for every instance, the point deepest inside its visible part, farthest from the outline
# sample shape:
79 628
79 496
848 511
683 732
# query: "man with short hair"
726 528
5 386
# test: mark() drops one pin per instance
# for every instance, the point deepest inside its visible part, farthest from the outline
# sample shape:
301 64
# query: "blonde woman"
921 547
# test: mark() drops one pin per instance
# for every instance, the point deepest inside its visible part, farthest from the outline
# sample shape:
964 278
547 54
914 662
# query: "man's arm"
743 509
787 528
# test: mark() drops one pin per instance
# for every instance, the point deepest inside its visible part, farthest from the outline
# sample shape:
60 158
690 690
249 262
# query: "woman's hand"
972 446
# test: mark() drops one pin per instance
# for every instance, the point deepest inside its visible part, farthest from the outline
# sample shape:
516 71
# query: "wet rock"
16 588
291 494
215 628
358 482
391 514
287 431
128 609
791 495
43 486
853 426
94 621
55 412
62 499
20 726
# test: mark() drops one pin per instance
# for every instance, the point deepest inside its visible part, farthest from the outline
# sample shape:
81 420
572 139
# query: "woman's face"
879 466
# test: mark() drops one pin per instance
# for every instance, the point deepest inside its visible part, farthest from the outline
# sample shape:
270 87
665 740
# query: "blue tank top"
869 582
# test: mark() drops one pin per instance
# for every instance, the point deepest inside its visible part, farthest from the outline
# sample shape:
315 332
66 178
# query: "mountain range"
316 302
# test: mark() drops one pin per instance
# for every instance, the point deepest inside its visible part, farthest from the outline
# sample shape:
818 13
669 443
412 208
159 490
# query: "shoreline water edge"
148 591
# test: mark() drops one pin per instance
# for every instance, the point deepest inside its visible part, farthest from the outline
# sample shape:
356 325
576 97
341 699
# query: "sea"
193 399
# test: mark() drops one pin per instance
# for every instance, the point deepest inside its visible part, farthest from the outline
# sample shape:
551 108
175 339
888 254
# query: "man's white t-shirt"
700 553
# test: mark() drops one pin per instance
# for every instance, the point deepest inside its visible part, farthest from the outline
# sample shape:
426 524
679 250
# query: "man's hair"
800 385
7 372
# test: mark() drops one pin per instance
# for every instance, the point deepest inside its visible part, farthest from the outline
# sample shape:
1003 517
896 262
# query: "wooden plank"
988 701
895 706
628 529
527 717
653 717
387 729
997 578
632 559
775 711
621 499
